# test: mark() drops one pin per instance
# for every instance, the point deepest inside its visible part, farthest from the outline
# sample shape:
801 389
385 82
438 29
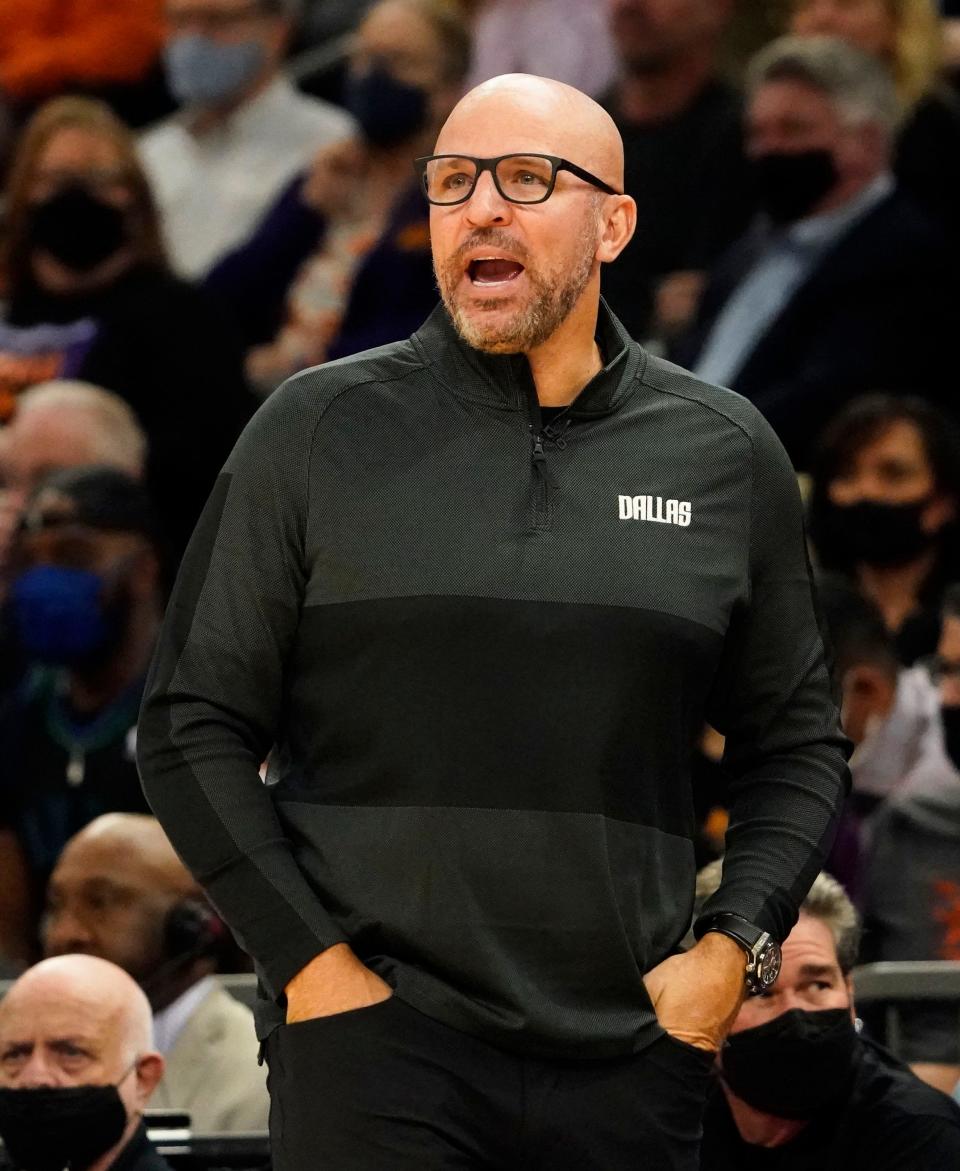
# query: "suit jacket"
212 1072
875 314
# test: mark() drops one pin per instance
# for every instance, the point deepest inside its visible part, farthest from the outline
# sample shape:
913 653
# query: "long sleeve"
772 699
214 696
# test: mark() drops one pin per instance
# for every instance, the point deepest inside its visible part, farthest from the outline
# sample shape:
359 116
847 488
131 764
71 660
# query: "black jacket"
876 314
482 666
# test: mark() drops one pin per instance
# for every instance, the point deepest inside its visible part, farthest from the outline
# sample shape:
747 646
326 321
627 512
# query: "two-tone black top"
478 652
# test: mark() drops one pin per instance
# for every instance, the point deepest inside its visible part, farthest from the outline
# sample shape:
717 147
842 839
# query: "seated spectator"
843 284
342 263
85 603
119 892
906 36
682 138
89 296
242 131
63 424
798 1087
567 40
911 886
883 511
48 46
77 1069
891 713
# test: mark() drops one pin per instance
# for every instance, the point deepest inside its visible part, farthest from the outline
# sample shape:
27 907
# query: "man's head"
110 894
655 36
219 52
63 425
820 124
514 275
865 666
408 62
790 1051
84 569
72 1022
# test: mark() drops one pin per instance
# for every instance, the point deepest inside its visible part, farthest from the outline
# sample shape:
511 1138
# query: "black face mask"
388 111
795 1065
876 533
790 185
950 719
77 229
50 1128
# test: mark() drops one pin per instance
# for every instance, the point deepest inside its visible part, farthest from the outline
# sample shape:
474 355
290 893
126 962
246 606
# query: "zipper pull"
556 437
540 465
539 457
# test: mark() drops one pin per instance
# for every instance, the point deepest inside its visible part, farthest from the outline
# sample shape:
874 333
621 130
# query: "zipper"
543 482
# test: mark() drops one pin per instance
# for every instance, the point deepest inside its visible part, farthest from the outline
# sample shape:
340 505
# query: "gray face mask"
202 71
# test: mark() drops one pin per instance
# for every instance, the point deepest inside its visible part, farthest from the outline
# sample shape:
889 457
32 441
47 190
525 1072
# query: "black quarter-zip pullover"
478 649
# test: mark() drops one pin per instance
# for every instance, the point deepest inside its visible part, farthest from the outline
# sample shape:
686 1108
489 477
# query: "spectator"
119 892
912 876
843 285
567 40
798 1087
85 604
77 1069
48 46
63 424
342 262
242 132
906 36
884 510
891 713
682 137
89 296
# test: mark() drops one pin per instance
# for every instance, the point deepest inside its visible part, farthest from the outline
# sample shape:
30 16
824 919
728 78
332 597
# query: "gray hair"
859 86
826 901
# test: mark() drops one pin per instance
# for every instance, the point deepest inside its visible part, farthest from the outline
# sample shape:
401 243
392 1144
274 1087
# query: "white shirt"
169 1022
213 189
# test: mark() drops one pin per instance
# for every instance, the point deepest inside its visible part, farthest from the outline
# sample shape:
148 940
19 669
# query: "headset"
192 929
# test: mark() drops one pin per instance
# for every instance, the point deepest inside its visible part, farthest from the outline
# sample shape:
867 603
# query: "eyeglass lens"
520 178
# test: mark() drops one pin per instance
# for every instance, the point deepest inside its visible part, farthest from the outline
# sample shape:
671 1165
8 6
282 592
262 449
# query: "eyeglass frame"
558 164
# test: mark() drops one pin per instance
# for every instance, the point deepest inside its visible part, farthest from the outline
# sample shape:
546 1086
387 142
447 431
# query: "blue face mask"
58 614
388 111
202 71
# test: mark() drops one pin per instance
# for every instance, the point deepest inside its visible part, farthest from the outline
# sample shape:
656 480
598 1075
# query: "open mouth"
493 271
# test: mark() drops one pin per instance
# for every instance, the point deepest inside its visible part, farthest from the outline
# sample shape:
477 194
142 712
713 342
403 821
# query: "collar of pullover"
505 381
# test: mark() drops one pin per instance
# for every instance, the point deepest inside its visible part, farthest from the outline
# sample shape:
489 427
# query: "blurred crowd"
203 197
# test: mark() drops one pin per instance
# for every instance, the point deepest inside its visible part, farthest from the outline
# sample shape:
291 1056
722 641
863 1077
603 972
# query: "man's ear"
149 1071
617 225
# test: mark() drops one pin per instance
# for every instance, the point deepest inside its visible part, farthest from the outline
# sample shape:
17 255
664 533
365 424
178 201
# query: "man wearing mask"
798 1087
841 285
911 881
77 1069
242 132
84 603
119 892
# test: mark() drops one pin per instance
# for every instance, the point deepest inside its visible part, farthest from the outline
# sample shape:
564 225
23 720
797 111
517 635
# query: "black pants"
386 1088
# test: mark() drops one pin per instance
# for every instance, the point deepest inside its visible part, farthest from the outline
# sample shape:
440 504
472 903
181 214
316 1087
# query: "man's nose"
486 205
65 933
38 1071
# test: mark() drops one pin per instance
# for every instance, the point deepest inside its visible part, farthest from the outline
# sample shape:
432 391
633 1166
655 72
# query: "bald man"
119 891
476 594
77 1067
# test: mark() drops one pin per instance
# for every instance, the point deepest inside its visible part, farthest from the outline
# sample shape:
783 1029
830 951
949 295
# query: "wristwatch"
763 951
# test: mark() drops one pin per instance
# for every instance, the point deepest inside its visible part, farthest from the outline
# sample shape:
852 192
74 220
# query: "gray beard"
551 305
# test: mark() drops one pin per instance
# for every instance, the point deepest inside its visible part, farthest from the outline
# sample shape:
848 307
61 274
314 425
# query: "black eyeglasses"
520 178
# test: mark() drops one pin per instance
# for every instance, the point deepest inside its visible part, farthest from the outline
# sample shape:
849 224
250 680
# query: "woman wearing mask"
906 35
342 261
88 295
884 511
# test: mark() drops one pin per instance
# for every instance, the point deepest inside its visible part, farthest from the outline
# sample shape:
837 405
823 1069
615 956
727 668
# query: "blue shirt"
781 267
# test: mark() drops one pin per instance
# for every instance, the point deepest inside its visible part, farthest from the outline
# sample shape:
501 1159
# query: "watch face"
768 965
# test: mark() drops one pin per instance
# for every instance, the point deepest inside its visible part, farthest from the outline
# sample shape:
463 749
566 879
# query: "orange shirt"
47 45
